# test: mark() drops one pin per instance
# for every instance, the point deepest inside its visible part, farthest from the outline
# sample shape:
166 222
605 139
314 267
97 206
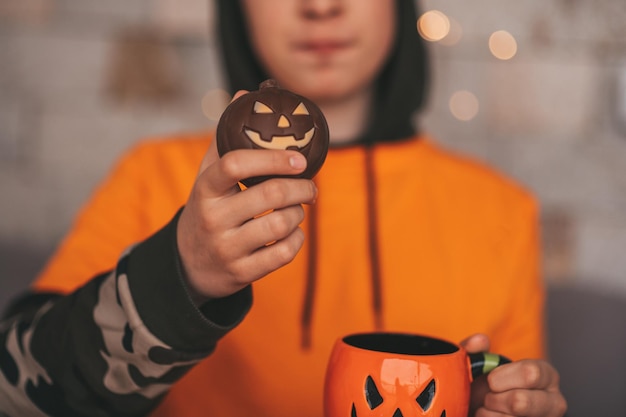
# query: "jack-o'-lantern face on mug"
274 118
393 392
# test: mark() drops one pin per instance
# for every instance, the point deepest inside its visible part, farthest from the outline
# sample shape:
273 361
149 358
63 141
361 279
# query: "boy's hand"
528 388
224 242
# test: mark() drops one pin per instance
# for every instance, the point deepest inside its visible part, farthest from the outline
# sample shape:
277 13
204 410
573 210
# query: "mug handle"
484 362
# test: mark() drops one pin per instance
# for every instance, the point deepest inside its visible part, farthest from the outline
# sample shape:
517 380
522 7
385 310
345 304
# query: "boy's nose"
317 9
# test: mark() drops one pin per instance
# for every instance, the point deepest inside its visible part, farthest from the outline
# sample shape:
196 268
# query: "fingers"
238 209
266 230
238 271
525 388
239 94
222 175
270 227
271 257
528 374
520 402
476 343
271 195
479 389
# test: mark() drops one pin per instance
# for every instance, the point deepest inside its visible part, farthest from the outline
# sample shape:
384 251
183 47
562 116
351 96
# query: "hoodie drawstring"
311 277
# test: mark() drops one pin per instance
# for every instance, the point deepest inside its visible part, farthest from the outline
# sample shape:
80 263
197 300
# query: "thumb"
475 343
212 155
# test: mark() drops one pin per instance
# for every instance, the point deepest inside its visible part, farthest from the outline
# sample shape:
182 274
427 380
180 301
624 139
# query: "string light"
433 25
464 105
502 45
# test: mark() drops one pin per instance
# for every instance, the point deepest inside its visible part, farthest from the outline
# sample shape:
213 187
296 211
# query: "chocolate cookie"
274 118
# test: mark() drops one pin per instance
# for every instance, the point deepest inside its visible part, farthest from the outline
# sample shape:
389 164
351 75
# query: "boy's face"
325 50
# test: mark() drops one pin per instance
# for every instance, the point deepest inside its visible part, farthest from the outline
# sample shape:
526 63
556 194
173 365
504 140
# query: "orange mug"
401 375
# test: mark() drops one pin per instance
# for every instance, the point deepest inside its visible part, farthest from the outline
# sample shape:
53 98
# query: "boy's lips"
323 47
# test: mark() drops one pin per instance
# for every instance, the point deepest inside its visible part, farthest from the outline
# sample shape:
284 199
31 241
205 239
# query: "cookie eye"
301 110
425 399
260 108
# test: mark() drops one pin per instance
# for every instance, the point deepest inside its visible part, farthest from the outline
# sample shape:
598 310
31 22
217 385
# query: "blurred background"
536 88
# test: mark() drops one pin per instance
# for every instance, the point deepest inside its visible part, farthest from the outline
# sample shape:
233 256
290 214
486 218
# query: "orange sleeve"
521 334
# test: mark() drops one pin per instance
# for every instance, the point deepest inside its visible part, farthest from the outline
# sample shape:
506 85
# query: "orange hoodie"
457 254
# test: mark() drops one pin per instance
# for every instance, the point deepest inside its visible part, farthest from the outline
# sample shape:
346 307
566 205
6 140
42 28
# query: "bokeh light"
214 102
502 45
464 105
433 25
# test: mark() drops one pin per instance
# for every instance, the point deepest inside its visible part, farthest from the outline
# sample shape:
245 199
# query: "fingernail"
297 162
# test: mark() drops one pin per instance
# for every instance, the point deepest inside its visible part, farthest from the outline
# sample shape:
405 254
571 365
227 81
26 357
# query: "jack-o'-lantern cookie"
274 118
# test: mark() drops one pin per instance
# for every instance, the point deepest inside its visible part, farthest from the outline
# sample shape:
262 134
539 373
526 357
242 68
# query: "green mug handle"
484 362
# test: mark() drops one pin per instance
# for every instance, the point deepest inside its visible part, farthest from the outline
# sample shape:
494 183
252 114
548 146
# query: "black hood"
401 87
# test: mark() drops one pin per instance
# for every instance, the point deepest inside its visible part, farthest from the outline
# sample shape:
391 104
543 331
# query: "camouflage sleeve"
114 346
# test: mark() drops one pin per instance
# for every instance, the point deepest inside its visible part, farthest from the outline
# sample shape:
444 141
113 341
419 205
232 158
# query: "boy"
402 236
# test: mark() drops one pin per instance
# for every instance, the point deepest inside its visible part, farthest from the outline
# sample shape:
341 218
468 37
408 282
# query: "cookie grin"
280 142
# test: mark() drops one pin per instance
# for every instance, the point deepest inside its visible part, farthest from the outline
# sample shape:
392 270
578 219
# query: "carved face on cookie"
274 118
